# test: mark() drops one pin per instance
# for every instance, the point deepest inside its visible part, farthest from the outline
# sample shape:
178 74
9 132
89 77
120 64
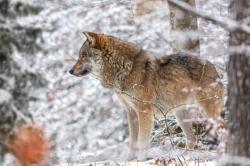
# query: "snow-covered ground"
83 119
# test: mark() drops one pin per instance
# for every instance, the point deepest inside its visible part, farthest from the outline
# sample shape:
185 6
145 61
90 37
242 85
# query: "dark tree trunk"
239 86
239 105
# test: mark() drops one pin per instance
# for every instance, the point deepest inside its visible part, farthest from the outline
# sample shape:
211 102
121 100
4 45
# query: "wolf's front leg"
183 117
145 118
133 133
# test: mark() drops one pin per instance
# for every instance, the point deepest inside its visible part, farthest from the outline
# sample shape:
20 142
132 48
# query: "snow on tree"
16 79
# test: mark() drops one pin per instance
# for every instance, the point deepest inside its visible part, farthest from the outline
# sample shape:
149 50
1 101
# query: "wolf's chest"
135 101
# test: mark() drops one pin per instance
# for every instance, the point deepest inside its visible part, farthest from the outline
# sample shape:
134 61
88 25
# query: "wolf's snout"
79 73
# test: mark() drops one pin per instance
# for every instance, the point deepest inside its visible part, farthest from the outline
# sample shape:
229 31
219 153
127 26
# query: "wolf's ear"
91 37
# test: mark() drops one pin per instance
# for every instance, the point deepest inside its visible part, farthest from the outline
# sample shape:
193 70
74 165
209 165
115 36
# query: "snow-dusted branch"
225 22
246 20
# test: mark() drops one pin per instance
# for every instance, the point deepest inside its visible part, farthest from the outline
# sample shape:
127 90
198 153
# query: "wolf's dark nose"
71 71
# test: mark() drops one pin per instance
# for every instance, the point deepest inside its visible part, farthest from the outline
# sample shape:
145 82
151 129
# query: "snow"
148 163
5 96
84 119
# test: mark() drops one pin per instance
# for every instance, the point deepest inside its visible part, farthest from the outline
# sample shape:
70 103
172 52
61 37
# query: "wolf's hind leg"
185 121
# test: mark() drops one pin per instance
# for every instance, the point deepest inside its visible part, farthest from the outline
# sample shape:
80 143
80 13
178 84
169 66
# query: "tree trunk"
184 25
184 29
239 86
144 7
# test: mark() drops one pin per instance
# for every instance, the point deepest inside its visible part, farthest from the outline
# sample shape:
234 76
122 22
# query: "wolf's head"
104 56
87 54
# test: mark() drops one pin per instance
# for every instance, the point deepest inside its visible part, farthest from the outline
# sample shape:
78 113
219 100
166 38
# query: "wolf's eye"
87 42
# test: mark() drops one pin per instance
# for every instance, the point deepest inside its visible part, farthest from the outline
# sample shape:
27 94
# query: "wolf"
148 85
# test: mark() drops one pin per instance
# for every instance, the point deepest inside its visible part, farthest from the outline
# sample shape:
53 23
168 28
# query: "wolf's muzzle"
81 73
71 71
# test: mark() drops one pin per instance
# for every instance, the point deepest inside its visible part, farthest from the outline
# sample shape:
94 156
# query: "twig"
246 20
184 160
180 160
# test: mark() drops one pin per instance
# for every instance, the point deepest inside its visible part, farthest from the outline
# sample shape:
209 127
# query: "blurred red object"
29 145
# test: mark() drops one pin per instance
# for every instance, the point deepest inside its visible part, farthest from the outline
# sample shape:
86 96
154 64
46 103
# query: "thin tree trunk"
144 7
239 86
184 29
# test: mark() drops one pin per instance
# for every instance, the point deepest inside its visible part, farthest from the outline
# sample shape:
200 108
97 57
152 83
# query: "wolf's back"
197 69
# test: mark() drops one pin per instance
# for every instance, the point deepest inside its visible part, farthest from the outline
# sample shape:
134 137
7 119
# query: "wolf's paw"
131 156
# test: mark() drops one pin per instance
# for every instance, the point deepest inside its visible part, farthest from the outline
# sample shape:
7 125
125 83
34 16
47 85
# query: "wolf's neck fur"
118 61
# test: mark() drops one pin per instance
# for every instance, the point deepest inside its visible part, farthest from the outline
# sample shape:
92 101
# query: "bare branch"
224 22
246 20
